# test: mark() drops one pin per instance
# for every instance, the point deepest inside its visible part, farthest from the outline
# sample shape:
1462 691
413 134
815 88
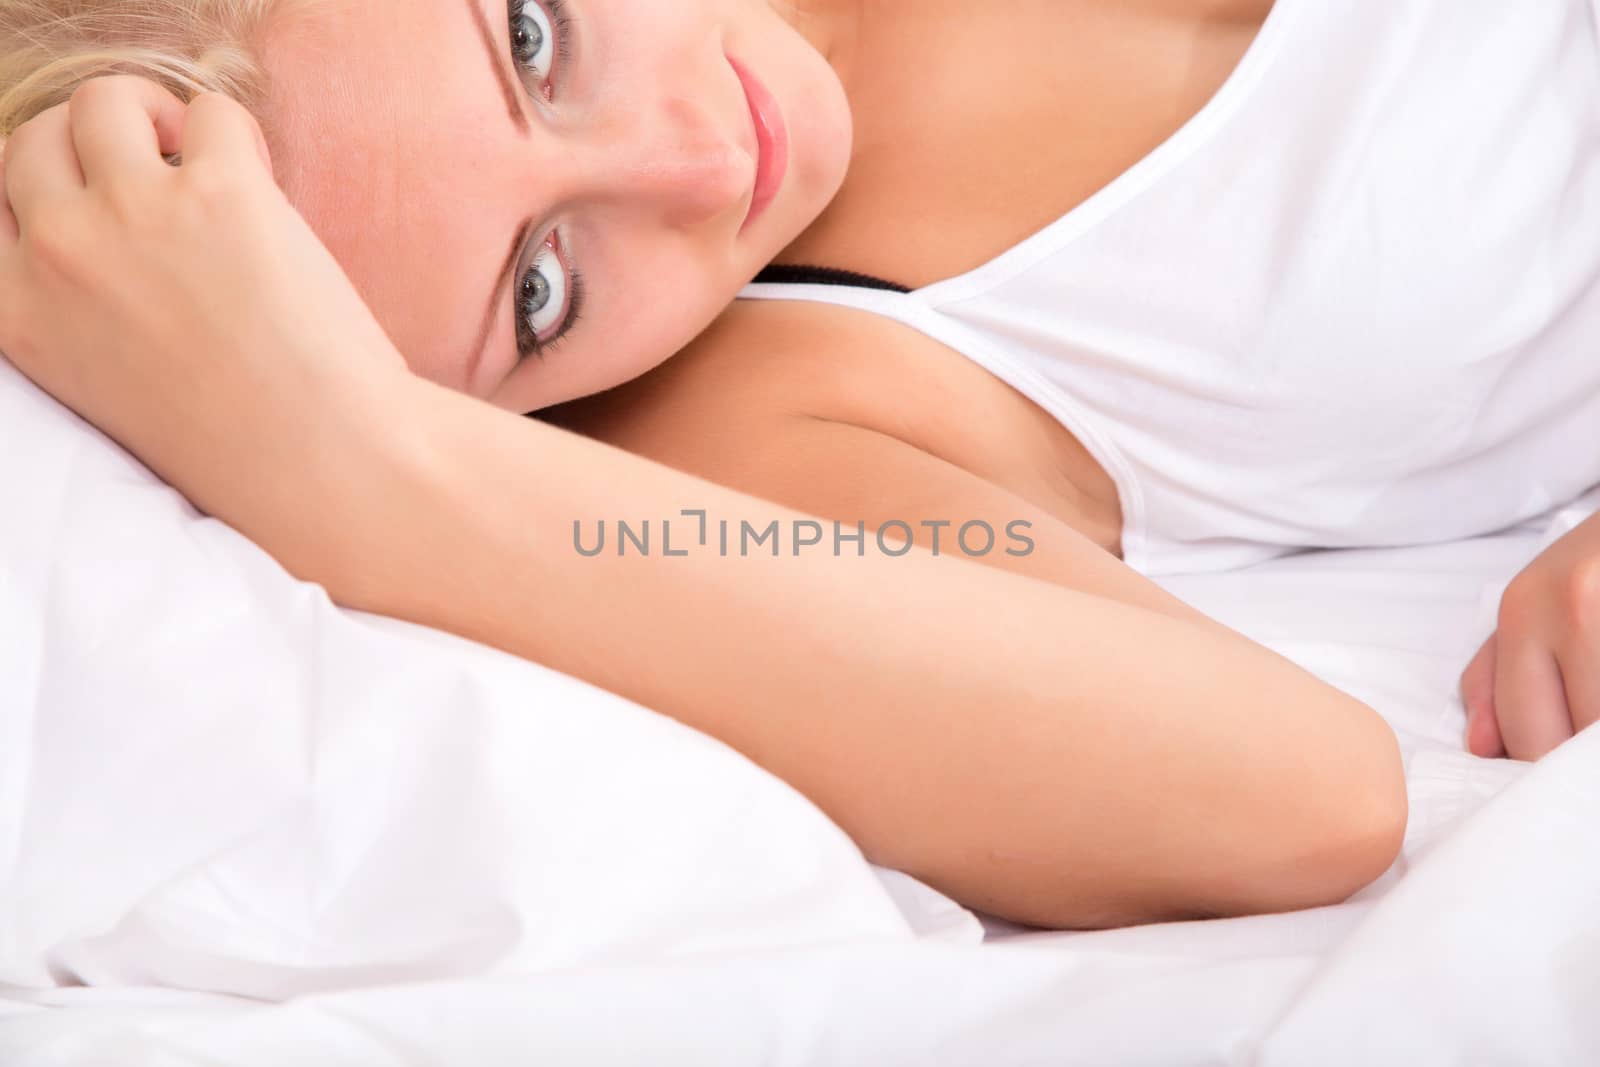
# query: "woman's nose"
679 159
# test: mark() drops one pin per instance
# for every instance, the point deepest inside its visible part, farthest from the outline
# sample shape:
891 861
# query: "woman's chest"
1374 266
980 123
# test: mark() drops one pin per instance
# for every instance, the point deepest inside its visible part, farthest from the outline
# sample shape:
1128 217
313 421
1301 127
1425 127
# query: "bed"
240 825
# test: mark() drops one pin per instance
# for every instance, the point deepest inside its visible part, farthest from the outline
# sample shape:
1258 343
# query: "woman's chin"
819 162
829 130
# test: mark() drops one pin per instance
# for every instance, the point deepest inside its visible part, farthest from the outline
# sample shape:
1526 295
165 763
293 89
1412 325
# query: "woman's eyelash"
556 11
528 343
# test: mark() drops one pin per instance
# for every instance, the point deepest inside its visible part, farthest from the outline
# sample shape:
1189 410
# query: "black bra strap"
778 274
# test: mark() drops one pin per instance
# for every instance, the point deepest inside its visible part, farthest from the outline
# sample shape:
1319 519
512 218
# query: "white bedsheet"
1481 946
212 778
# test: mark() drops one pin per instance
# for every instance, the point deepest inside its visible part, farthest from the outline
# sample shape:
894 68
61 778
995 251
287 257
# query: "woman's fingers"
1529 697
1580 673
1580 651
1477 694
112 128
41 164
1483 734
122 126
220 132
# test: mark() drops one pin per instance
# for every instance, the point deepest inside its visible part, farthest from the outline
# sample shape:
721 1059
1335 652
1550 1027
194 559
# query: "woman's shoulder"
767 366
760 363
820 406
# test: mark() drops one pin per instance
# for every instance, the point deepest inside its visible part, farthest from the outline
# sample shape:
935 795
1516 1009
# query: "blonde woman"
1133 286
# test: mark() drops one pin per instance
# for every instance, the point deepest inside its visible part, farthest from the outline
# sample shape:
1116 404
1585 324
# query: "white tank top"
1355 301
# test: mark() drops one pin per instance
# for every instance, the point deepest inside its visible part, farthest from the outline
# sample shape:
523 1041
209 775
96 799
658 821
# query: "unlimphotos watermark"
693 529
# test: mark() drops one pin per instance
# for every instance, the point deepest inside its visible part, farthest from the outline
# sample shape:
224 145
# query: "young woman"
1142 282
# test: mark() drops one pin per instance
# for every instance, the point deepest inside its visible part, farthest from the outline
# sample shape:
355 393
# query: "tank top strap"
785 274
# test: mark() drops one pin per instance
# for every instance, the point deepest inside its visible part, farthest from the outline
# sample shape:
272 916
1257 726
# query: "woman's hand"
1536 680
188 311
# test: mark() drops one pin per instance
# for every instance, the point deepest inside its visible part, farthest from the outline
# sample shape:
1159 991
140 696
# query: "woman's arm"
1051 756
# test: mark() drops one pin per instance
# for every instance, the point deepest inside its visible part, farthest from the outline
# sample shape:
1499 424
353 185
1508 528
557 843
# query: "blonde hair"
50 47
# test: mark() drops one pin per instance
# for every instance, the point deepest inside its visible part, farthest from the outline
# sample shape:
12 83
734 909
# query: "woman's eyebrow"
519 118
497 61
502 280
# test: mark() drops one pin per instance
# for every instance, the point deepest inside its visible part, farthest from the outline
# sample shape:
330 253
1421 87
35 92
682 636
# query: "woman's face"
541 206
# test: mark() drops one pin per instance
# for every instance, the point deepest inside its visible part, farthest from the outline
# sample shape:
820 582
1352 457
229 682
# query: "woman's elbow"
1376 825
1309 836
1303 840
1355 824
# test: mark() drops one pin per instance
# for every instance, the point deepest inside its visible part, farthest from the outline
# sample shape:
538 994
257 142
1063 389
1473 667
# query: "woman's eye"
542 298
533 39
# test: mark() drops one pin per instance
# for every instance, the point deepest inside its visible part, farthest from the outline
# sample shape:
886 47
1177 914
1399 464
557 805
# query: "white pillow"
213 778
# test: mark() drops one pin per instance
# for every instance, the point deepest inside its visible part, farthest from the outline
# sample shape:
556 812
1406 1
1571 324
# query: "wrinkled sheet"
1480 946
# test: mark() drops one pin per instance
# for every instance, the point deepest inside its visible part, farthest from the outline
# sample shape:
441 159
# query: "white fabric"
1481 947
1353 302
212 778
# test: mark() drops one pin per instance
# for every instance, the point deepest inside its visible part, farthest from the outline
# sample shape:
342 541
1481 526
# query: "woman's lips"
772 142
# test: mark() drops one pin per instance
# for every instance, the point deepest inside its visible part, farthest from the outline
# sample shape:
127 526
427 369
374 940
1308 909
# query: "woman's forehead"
354 85
381 120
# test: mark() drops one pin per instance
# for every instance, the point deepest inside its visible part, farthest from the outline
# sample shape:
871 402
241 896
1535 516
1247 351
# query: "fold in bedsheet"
1485 953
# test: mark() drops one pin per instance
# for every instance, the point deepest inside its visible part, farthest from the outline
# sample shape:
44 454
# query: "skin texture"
638 150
